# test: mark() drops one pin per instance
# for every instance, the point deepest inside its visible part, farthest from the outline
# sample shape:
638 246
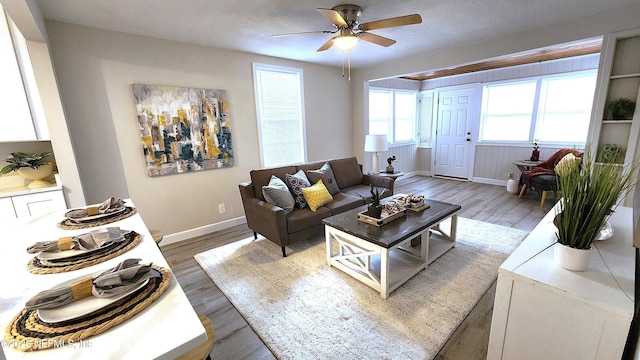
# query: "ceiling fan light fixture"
345 42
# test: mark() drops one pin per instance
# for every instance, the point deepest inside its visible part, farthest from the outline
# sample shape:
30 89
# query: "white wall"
95 70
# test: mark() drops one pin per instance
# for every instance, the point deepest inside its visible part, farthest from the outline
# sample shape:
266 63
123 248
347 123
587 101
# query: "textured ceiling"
248 25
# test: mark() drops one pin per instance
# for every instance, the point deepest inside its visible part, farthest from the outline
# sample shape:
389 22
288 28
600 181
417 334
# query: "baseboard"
490 181
203 230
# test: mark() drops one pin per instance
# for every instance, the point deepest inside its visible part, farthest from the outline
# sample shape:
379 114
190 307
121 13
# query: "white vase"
571 258
36 176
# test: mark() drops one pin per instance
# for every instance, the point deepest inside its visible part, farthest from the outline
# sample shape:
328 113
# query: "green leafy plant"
620 109
589 195
374 200
19 160
391 159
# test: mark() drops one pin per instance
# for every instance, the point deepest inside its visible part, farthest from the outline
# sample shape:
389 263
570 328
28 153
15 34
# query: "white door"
453 135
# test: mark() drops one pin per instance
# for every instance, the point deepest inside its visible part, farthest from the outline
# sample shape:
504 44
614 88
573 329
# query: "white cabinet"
31 204
6 209
542 311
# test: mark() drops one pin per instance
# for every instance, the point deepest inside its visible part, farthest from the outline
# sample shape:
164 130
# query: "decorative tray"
384 219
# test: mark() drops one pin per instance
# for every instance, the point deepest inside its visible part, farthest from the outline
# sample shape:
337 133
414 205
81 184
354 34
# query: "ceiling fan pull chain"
342 63
349 60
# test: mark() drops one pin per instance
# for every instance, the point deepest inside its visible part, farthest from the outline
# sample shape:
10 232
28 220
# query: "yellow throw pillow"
316 195
567 164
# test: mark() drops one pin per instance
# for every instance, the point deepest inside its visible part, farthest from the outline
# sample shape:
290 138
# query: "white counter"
167 328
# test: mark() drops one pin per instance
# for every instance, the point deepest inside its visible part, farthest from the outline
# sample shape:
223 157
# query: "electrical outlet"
221 208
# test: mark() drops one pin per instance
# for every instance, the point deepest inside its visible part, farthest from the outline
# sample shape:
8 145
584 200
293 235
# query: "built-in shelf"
625 76
617 121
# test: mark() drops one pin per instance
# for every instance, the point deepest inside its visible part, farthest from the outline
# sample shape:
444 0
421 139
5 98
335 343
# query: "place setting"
80 251
85 306
109 211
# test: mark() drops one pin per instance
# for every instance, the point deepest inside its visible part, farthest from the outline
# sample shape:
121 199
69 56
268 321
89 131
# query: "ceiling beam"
546 54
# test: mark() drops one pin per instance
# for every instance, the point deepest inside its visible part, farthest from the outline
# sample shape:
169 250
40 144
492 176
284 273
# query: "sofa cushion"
316 195
347 172
296 183
302 219
326 175
277 193
261 177
343 202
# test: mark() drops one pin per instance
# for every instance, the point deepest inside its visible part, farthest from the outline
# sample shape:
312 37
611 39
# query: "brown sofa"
275 224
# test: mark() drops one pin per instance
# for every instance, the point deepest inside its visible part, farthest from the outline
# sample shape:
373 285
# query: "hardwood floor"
234 338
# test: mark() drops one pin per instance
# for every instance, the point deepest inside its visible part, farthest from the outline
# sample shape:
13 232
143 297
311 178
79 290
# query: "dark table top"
397 230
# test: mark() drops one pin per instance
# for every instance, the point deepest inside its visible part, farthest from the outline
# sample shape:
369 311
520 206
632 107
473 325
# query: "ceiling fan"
345 20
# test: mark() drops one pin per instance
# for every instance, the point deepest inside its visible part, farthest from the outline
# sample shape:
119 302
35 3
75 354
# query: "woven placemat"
27 332
38 266
68 224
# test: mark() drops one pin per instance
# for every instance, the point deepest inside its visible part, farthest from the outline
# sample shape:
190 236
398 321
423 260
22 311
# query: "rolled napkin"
119 280
88 241
108 206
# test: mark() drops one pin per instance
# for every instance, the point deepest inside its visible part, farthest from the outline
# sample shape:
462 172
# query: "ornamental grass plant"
590 194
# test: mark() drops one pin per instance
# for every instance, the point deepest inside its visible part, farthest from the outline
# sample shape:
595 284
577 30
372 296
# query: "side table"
525 165
394 175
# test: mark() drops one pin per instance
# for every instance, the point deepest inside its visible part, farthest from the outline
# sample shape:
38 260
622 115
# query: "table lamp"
375 144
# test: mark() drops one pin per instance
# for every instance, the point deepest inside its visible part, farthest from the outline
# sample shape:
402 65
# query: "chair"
543 177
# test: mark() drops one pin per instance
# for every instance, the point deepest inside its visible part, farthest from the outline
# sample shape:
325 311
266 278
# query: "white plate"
98 216
57 255
606 232
80 307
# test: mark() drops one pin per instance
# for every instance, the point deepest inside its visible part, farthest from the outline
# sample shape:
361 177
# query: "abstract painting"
183 129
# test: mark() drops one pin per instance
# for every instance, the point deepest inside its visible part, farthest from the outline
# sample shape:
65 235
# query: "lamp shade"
375 143
345 42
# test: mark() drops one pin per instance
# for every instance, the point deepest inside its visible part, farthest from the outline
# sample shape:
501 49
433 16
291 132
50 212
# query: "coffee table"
384 257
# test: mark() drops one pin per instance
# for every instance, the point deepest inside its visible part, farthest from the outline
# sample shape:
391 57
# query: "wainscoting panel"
406 156
493 162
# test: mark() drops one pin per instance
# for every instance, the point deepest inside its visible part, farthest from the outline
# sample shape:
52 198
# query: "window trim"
303 133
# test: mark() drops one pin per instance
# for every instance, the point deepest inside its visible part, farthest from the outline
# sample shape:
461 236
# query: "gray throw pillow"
277 193
326 175
296 183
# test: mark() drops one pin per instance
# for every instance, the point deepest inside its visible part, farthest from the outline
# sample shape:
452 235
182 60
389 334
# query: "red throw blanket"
547 167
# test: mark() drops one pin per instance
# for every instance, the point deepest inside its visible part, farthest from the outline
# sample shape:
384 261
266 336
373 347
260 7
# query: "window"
508 110
392 112
279 106
565 109
553 109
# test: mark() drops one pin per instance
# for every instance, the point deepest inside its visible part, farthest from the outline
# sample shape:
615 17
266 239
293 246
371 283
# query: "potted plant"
590 194
535 154
375 208
32 167
390 160
620 109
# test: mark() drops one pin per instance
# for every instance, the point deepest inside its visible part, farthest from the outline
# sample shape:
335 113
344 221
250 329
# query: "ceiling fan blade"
376 39
333 16
391 22
304 33
326 45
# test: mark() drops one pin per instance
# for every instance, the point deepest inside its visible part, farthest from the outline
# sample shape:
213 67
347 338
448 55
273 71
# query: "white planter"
512 186
571 258
36 176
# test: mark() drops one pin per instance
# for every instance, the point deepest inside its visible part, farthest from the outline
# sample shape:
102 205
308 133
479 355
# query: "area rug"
302 309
